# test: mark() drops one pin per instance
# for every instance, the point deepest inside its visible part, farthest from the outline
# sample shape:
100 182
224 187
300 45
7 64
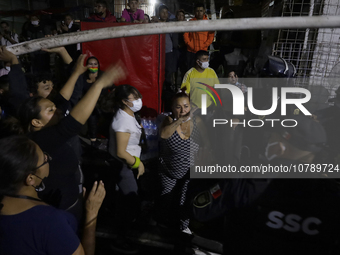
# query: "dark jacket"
40 31
72 49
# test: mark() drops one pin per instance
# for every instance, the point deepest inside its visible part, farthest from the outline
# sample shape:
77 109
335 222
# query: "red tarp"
144 57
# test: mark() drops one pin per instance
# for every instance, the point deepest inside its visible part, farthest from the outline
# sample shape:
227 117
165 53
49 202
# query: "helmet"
278 67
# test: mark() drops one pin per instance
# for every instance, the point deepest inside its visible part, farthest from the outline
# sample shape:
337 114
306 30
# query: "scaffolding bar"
176 27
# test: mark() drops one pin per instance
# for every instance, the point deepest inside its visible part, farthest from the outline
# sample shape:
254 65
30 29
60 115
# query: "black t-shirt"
63 186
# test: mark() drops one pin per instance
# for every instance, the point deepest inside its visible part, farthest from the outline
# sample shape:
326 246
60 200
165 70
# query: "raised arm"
169 126
68 88
83 109
10 39
62 52
18 89
92 206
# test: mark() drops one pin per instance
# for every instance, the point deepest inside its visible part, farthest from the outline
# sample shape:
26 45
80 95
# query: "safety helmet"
278 67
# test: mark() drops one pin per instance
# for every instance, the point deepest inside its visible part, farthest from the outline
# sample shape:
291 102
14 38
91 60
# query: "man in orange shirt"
196 41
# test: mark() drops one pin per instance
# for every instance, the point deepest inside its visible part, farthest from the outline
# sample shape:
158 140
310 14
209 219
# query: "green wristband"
136 164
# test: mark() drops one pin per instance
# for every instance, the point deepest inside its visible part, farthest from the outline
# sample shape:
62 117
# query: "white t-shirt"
125 123
5 42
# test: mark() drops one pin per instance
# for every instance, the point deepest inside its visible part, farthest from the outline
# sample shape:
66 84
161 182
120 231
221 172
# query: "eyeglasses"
48 159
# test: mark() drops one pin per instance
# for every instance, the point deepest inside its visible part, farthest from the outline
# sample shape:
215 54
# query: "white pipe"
213 9
311 10
176 27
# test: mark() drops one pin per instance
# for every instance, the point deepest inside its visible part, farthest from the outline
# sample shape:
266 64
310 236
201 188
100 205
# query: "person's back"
38 230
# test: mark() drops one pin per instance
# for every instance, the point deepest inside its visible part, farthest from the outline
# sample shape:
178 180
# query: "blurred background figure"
7 36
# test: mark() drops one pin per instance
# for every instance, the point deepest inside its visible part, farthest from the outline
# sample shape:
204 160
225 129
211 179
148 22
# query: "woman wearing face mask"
85 81
27 224
125 146
83 84
44 124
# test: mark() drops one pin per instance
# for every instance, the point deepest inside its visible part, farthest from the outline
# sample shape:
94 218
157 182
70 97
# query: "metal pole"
213 10
176 27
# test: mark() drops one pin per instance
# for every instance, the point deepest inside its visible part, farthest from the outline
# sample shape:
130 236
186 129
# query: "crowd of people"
44 208
180 48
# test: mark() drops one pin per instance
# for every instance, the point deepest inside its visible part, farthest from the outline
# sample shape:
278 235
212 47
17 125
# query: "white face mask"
204 65
35 22
271 157
8 68
137 105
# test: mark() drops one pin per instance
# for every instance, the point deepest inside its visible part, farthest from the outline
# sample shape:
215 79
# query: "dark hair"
232 71
87 73
4 22
28 111
40 77
162 7
199 5
180 10
4 96
201 53
4 82
147 16
35 15
10 126
112 102
228 15
18 159
103 3
68 15
180 94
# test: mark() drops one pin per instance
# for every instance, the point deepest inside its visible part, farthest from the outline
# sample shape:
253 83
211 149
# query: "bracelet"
136 164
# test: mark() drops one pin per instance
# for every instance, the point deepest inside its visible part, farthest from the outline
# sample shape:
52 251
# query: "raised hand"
113 74
80 67
95 199
64 27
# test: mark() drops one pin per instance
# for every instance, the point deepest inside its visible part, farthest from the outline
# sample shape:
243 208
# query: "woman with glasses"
27 224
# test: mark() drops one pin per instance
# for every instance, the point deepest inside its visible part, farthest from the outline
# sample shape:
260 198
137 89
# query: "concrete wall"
327 51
